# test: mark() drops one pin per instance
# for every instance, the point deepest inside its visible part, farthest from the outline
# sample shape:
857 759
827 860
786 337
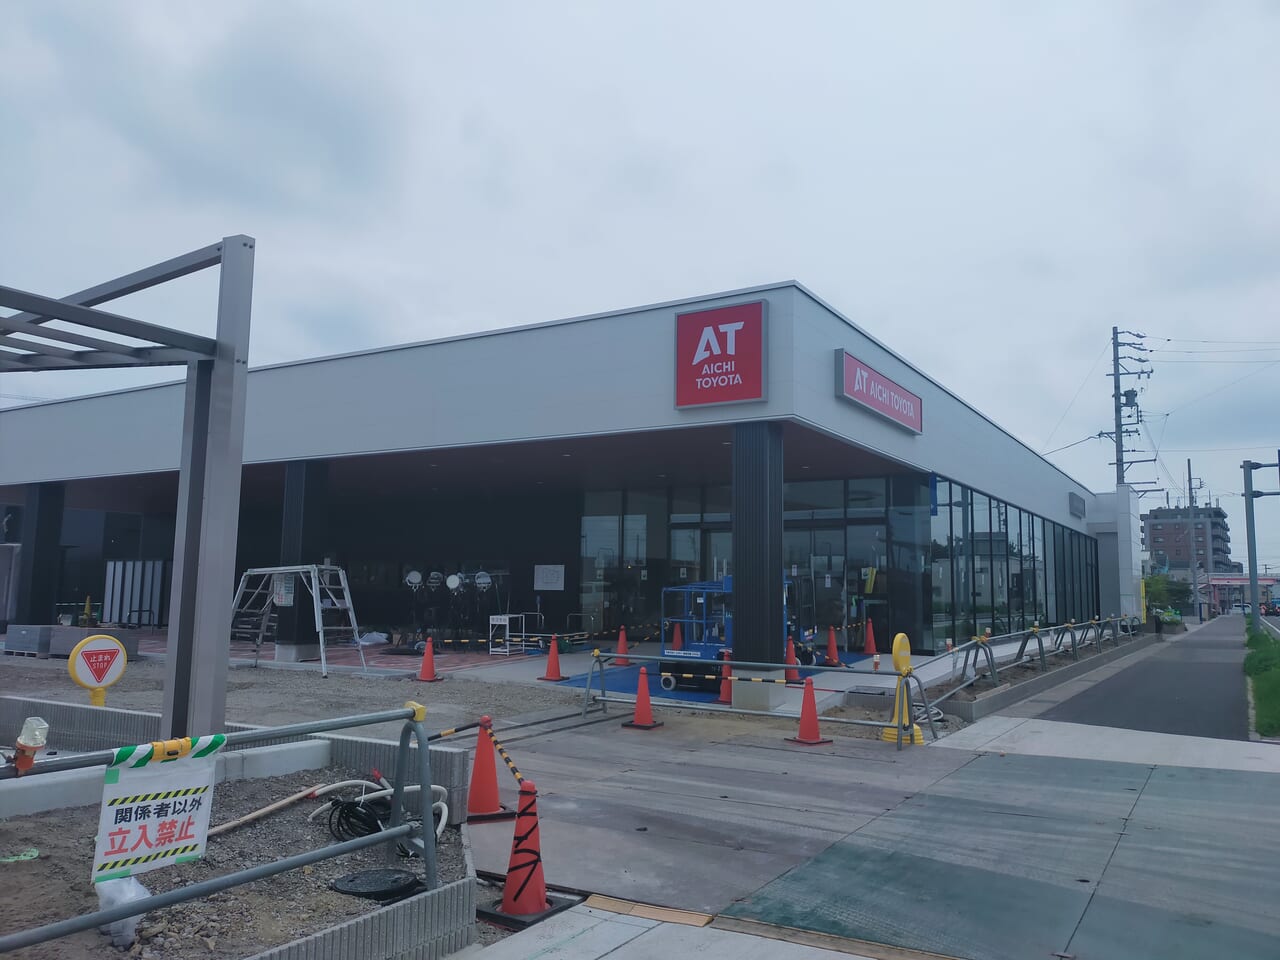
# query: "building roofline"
911 366
584 318
455 338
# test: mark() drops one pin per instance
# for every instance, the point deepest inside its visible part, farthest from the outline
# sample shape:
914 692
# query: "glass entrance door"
814 564
866 558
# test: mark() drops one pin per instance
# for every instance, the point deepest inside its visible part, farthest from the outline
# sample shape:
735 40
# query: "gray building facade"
585 465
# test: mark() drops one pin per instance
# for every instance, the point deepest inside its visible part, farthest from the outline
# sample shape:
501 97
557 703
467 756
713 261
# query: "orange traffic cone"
643 720
809 734
792 675
621 659
525 890
482 797
833 654
553 663
427 672
869 648
726 679
677 639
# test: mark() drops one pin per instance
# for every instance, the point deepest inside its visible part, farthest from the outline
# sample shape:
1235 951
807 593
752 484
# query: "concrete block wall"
426 927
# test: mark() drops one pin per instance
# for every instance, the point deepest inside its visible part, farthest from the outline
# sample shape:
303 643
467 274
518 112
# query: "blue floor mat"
624 680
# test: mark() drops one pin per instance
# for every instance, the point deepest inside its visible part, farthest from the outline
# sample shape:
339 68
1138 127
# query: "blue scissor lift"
705 615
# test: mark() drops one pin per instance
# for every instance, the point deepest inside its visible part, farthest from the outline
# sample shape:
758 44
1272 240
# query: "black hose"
349 819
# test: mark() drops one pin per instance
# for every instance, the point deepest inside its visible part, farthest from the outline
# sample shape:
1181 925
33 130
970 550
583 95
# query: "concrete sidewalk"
1047 738
1193 685
1017 837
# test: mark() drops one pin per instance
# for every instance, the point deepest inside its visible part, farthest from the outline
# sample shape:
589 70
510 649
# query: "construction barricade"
725 676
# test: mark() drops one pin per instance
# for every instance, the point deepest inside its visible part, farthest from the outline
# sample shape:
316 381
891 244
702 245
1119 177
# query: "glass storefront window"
1041 615
1017 569
999 554
941 550
935 573
909 594
719 505
600 555
686 557
1062 572
983 588
686 505
962 561
644 556
813 500
866 498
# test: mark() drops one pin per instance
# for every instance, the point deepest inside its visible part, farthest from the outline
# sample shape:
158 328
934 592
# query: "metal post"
1191 545
1115 373
208 512
415 730
1248 467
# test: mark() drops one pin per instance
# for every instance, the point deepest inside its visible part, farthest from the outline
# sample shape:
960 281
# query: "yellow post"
911 732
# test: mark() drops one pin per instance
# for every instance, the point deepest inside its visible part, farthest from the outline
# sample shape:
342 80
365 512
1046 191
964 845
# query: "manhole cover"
377 884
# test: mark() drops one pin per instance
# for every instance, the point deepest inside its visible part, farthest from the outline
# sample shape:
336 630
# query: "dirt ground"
235 923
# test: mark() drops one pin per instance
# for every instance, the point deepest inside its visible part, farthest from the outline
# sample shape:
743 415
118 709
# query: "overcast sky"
985 187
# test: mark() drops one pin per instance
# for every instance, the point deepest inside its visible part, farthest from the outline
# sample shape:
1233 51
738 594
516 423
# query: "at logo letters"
709 345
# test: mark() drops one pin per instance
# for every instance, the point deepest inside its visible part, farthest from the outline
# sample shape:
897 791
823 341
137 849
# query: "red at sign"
720 355
99 661
871 389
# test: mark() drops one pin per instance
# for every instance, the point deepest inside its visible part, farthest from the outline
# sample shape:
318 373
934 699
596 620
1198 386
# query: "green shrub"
1266 700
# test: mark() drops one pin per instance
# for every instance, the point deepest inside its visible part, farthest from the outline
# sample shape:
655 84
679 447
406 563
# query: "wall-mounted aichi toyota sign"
872 389
720 355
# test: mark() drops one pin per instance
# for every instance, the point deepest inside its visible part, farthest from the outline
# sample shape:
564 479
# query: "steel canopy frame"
204 546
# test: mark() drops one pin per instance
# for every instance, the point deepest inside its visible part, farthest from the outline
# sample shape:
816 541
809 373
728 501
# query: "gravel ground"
236 923
268 696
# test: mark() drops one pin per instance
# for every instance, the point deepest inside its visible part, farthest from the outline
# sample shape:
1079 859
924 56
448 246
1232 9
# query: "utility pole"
1211 592
1125 398
1249 496
1191 544
1115 375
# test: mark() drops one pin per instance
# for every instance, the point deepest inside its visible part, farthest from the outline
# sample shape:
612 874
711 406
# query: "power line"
1096 436
1232 350
1158 360
1186 340
1083 382
1230 383
1160 460
1256 446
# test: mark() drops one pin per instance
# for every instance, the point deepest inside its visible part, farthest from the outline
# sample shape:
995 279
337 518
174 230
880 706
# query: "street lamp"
1249 496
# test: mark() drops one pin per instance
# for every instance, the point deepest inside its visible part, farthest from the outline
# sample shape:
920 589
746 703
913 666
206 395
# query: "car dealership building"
583 465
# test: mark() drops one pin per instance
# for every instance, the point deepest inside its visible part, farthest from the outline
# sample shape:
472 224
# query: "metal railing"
413 729
1065 638
599 660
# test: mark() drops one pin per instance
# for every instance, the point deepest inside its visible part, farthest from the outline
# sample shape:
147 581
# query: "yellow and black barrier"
506 758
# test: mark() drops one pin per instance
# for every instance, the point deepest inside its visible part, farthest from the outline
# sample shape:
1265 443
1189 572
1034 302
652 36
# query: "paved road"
1194 686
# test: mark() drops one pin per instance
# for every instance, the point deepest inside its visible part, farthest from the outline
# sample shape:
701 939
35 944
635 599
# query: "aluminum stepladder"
262 591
